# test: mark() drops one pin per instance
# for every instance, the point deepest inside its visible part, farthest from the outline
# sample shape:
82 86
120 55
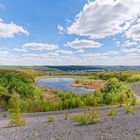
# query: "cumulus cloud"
41 55
8 30
129 43
131 50
20 50
39 46
103 18
80 51
65 52
83 44
56 58
134 32
5 54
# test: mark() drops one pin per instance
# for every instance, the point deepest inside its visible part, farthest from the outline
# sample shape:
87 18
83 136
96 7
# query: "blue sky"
69 32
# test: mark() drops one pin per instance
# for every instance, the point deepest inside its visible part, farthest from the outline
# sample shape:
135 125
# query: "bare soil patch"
89 83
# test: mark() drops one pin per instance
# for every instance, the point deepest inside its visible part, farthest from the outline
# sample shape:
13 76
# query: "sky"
70 32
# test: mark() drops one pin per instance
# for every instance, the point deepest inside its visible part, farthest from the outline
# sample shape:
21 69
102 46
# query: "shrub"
17 119
112 112
116 92
129 108
77 81
82 118
92 116
51 118
14 103
14 83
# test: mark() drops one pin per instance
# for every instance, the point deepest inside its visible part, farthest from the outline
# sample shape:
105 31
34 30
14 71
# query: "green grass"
129 108
51 118
112 112
17 119
92 116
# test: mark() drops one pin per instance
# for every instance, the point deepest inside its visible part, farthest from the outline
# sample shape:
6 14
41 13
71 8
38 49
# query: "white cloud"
8 30
20 50
40 46
80 51
131 50
129 43
134 32
41 55
54 58
102 18
64 52
61 29
5 54
83 44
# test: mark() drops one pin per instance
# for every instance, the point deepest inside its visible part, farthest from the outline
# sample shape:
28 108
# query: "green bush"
17 119
112 112
77 81
92 116
116 92
14 104
129 108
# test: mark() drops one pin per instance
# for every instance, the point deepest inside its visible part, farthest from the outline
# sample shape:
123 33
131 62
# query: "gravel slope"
122 127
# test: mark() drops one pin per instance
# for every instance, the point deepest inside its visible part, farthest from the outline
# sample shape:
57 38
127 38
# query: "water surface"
62 84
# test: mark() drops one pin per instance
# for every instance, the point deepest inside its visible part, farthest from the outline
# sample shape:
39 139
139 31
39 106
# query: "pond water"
62 84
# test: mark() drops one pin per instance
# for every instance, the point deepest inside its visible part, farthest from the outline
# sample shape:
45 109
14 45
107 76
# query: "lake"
62 84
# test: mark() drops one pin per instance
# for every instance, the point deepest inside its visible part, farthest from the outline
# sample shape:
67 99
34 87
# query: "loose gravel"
121 127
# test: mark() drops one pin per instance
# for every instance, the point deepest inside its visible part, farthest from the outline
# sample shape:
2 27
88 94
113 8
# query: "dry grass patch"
89 83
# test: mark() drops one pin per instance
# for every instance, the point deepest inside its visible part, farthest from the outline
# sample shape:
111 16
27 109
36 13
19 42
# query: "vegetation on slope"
32 98
124 76
22 83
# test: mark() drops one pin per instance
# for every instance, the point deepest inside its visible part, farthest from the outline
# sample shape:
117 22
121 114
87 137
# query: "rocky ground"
121 127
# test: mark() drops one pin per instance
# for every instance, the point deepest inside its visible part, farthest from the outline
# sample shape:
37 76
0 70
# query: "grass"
92 116
129 108
51 118
112 112
17 120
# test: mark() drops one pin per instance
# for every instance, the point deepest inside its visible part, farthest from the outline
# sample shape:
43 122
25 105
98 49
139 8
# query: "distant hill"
94 68
58 69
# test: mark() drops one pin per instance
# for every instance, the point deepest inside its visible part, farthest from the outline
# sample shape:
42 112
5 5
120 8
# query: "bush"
21 83
129 108
92 116
14 104
116 92
17 119
77 81
112 112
